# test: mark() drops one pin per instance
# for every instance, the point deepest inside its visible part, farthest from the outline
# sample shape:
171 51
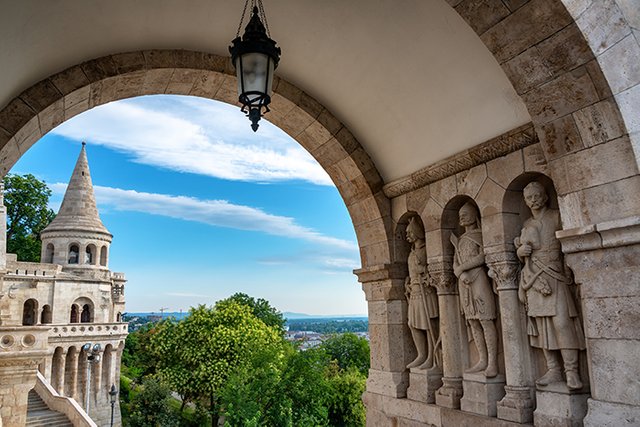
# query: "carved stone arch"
571 64
449 222
80 87
401 247
514 207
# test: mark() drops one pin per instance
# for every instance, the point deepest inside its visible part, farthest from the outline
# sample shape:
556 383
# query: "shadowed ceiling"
410 79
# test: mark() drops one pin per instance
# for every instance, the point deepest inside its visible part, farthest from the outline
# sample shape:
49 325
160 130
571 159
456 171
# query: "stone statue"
544 289
422 301
476 293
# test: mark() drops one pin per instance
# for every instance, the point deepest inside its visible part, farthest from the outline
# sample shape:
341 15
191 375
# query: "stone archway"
58 98
574 63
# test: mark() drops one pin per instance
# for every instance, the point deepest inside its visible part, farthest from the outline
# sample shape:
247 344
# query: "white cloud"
219 213
195 135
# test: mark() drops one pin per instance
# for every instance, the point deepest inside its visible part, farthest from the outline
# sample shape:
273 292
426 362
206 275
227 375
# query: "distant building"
70 299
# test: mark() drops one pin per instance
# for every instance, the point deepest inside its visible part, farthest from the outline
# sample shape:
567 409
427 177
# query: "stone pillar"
442 278
71 373
518 403
59 367
605 259
21 350
391 344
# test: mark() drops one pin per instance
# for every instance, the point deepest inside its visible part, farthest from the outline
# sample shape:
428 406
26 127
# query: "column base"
423 384
481 394
450 393
607 414
517 405
559 407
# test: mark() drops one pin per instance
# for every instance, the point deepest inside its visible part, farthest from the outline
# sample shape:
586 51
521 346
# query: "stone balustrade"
75 330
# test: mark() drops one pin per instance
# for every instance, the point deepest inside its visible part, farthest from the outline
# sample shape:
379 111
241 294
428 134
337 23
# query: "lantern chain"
263 16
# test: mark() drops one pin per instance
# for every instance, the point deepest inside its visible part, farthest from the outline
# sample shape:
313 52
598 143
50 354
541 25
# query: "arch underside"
575 66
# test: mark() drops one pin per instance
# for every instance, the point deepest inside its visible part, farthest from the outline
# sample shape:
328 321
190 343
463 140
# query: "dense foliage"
26 199
232 362
324 326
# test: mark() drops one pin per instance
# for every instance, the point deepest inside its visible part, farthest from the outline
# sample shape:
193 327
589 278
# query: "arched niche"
30 312
46 316
73 254
90 254
103 256
48 253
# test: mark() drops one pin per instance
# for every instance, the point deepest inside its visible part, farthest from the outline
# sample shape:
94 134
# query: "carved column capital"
504 268
442 278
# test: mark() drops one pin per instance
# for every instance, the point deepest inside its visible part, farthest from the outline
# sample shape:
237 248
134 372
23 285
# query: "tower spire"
79 211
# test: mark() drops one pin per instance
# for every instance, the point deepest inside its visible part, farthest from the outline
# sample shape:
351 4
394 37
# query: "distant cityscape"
309 330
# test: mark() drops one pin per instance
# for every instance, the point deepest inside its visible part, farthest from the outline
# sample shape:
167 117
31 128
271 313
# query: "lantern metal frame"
256 39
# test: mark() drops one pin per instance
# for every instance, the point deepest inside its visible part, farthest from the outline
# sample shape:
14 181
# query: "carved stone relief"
477 299
422 301
553 322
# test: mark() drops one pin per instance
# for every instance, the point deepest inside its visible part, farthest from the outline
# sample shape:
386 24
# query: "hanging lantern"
255 57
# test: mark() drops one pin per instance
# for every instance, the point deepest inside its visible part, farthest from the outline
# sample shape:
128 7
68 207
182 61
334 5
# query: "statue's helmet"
415 227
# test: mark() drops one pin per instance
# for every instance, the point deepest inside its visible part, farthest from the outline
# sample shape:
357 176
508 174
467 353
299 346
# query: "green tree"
150 406
345 404
197 354
348 350
26 199
137 356
260 308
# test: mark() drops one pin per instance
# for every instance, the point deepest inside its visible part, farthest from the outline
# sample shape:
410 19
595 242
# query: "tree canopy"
260 308
197 354
26 199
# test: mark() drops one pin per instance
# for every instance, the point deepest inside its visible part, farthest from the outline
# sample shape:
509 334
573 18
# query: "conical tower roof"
78 211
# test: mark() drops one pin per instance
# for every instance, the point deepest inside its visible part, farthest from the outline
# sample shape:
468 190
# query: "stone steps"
39 414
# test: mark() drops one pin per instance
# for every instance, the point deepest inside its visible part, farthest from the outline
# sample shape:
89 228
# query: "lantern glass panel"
256 69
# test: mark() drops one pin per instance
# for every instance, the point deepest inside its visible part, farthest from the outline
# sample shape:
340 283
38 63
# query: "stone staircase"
39 414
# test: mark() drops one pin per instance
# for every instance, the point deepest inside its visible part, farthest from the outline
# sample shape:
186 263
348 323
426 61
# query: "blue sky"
201 207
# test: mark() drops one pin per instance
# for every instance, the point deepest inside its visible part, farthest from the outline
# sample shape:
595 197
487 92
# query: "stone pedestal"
450 393
481 394
423 384
517 405
558 407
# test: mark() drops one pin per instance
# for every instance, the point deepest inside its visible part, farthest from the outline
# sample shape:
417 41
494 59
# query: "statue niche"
422 301
553 322
477 299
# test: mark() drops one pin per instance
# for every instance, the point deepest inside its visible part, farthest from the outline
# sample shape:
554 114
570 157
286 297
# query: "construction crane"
162 309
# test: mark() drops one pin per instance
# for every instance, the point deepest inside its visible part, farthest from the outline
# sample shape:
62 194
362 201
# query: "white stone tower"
76 238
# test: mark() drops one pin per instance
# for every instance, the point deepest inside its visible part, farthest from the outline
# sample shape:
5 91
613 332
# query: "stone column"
22 349
71 373
518 403
605 259
391 344
59 366
442 278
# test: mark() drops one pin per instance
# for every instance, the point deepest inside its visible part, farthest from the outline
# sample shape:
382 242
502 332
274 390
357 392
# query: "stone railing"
88 329
67 406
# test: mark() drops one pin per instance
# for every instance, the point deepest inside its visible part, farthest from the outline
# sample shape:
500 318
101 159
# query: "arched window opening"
119 317
30 312
74 253
85 317
46 315
74 314
103 256
48 254
90 255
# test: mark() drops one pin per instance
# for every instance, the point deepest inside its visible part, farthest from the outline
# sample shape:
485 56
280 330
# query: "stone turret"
77 238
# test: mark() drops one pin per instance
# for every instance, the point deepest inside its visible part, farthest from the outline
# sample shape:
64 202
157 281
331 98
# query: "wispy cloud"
219 213
198 136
